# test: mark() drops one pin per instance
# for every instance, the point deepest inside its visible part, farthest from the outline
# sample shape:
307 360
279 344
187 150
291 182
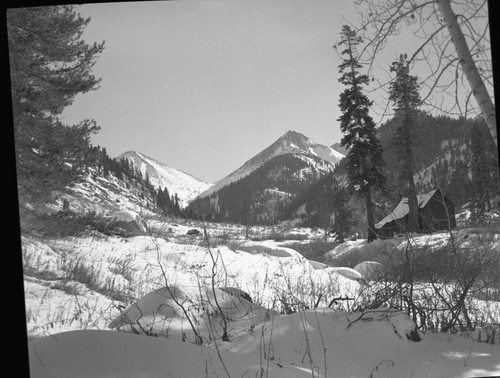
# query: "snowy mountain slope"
186 186
290 143
103 195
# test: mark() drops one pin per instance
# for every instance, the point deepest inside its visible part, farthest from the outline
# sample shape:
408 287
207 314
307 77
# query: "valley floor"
102 306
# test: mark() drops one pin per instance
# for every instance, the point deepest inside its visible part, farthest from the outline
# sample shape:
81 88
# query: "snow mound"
348 273
164 312
317 264
369 269
100 354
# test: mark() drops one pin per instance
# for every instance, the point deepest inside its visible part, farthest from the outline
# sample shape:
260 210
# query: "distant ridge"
186 186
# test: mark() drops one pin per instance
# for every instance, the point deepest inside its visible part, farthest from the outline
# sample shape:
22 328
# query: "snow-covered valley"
107 306
185 298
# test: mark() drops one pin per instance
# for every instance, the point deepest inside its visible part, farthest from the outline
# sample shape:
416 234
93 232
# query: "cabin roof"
402 209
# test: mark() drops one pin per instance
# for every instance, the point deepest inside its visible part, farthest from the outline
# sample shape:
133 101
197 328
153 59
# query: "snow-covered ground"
88 297
305 344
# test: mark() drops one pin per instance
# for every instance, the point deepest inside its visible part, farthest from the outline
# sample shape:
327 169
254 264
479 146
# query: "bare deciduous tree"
454 50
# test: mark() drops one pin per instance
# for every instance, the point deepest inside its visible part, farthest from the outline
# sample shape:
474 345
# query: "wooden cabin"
435 213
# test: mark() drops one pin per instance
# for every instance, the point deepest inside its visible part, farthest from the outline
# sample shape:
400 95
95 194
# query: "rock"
128 216
234 291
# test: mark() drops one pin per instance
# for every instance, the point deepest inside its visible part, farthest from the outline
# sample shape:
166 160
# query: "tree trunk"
412 205
469 67
412 192
372 234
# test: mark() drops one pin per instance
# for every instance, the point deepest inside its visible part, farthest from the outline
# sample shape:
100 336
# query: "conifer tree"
49 66
176 205
404 94
343 214
163 201
364 158
324 215
246 212
480 174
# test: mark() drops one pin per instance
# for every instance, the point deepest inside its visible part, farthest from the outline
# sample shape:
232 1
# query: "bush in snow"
439 281
60 224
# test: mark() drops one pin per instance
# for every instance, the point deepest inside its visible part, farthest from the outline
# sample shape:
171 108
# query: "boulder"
129 218
234 291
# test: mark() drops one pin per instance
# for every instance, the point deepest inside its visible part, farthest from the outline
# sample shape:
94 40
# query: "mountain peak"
295 137
291 142
292 133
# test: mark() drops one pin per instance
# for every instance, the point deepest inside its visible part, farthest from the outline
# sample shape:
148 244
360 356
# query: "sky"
203 86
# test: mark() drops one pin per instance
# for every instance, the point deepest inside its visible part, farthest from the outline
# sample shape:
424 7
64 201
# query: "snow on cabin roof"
402 208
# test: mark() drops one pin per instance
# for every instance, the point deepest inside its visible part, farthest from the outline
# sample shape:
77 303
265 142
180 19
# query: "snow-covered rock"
128 216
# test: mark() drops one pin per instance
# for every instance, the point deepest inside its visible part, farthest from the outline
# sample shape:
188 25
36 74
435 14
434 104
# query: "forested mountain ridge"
260 196
456 155
446 158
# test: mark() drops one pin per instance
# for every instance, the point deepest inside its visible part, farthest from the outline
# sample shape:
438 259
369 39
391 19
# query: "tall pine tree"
343 214
480 174
364 158
49 66
404 94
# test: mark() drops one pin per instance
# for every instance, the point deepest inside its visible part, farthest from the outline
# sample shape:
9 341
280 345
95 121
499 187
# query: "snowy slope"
103 195
186 186
290 143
